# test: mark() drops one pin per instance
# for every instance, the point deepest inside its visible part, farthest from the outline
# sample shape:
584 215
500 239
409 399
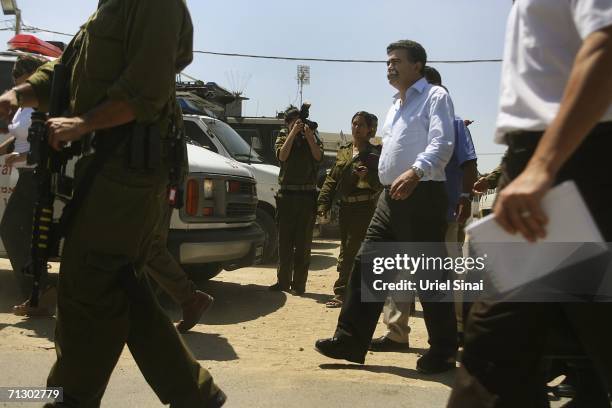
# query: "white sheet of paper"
512 266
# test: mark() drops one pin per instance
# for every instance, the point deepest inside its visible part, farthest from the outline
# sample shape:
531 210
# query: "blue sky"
357 29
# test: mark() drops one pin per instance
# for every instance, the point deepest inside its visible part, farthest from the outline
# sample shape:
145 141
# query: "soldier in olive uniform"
299 152
122 69
491 180
353 181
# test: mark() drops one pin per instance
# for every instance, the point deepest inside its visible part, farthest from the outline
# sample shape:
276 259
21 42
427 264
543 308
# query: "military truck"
259 132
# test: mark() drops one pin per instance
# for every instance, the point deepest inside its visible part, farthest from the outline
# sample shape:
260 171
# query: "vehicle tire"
266 222
203 272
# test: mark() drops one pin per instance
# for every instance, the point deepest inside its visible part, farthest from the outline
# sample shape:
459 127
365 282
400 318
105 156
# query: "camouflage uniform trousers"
162 266
105 302
354 221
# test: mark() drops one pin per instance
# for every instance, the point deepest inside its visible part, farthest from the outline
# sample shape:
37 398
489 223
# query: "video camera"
304 113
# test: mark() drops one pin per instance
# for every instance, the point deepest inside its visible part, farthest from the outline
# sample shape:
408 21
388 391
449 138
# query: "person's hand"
361 171
8 105
467 122
518 206
297 128
464 210
309 133
12 158
63 130
481 186
403 186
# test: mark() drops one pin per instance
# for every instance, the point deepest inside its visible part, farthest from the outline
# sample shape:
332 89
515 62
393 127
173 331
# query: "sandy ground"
257 344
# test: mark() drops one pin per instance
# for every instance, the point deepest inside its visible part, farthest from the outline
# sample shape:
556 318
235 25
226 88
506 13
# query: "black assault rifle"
51 180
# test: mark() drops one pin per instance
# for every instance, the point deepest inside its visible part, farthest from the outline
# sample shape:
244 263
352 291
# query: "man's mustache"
391 74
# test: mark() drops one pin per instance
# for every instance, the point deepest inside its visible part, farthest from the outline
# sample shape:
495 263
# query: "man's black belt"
388 186
529 139
359 198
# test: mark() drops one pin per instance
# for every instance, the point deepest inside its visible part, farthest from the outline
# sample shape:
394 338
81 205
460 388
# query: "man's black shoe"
339 350
434 363
297 292
564 390
217 400
384 344
278 288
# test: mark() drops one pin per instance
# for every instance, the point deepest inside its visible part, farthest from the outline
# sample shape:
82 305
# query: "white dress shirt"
19 129
419 132
542 40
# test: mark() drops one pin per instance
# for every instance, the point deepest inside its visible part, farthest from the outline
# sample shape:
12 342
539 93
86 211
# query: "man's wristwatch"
418 171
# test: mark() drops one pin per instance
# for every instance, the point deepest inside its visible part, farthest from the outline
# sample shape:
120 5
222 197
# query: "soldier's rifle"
50 173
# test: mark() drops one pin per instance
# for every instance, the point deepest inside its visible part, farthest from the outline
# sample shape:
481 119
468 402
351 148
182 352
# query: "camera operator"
299 151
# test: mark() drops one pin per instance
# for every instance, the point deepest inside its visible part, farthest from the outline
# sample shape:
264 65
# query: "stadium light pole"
9 7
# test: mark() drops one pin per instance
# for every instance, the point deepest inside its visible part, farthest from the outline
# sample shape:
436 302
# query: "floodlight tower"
303 78
9 7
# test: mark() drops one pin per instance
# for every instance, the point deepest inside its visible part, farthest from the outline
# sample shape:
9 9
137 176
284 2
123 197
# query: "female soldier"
353 182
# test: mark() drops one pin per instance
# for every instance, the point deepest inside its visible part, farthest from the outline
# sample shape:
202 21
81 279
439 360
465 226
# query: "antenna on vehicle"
237 84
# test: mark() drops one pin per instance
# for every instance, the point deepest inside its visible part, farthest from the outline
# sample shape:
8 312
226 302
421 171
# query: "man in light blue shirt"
418 135
461 173
418 142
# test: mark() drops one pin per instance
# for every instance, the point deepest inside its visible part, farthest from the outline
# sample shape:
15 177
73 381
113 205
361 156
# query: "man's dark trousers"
419 218
504 341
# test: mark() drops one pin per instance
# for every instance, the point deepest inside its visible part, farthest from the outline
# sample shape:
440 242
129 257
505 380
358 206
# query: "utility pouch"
153 148
144 147
136 147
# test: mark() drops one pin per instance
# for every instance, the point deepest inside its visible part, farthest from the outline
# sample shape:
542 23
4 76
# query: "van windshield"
233 143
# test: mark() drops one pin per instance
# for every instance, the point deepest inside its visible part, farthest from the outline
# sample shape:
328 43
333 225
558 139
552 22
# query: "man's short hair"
432 76
415 51
26 64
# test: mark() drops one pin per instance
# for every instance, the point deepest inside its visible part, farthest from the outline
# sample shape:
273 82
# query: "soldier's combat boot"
193 310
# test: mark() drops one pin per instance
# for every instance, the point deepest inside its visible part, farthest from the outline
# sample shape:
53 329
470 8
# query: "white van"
220 138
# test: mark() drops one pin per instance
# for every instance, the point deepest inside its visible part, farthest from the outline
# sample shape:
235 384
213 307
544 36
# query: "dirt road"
257 344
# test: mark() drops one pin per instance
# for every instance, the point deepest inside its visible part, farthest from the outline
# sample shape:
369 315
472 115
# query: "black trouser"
505 342
16 225
419 218
296 214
